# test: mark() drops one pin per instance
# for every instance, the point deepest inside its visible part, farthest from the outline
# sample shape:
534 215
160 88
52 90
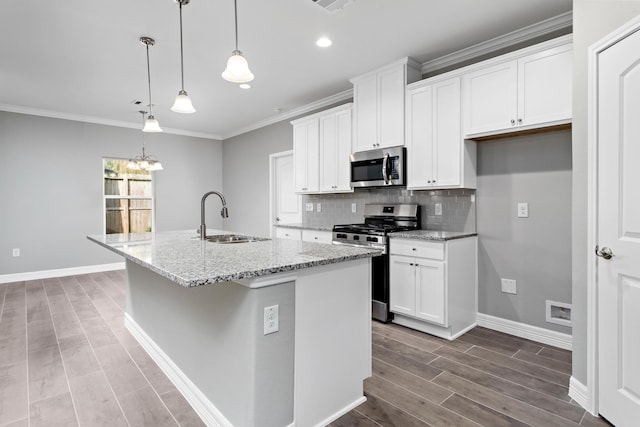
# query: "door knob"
605 252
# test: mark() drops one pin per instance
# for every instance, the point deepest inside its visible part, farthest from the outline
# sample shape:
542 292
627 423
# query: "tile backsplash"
458 207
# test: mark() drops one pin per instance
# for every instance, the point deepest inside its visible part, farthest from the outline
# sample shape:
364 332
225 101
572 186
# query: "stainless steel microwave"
378 168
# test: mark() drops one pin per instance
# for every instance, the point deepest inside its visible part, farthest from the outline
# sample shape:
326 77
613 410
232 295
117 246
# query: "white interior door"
618 231
286 204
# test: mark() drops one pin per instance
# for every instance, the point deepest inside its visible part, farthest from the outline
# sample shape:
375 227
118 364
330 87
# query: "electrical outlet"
438 208
309 207
508 286
523 210
271 319
16 251
354 207
318 207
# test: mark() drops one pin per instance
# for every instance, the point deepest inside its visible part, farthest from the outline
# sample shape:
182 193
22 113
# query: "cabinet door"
430 297
419 137
545 86
447 134
391 89
343 150
328 153
306 156
491 98
365 95
402 285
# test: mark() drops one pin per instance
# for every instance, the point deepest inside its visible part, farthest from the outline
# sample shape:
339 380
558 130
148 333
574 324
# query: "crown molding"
98 120
324 102
540 29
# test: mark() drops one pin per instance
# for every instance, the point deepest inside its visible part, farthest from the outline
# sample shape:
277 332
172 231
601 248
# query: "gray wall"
51 187
535 251
593 19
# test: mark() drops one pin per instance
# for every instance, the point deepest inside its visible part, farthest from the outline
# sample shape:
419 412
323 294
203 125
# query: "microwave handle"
385 164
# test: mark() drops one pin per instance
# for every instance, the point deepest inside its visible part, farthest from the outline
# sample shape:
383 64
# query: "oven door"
378 168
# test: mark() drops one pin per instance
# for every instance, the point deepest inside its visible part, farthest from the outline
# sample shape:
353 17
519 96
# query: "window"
128 198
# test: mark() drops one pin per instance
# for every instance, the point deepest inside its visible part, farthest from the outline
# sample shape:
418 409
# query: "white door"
286 204
618 231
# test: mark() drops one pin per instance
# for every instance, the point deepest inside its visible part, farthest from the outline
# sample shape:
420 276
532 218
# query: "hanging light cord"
181 56
235 8
149 79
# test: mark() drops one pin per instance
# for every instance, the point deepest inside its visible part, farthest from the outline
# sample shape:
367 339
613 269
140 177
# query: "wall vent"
332 5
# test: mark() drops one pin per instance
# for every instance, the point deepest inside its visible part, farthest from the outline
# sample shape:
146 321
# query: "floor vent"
332 5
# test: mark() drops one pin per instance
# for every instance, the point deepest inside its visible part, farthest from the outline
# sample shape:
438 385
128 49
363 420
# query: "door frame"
272 170
592 387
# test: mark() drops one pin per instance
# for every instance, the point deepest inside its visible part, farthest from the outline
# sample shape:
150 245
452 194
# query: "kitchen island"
261 333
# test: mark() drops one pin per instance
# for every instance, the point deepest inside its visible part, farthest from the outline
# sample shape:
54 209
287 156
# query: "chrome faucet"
224 212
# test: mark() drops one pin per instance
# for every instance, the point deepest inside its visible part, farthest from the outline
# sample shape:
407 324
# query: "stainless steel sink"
234 238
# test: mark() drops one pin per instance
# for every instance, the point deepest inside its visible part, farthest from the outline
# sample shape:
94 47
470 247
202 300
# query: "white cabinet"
433 285
306 155
335 148
438 157
519 91
304 234
379 100
321 148
317 236
288 233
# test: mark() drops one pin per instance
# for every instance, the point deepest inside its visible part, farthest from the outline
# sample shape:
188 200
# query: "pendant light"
182 103
237 66
144 162
151 124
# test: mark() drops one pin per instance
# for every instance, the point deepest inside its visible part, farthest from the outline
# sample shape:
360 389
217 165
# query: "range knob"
356 237
341 236
372 239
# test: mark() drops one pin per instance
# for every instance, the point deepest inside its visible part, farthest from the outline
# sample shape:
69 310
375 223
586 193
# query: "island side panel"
214 335
333 340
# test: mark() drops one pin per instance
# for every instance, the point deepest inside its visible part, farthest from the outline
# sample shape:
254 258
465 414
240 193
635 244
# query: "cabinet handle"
513 122
519 121
315 238
413 249
411 264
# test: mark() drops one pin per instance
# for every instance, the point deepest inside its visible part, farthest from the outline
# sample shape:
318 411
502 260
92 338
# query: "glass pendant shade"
183 103
151 125
237 70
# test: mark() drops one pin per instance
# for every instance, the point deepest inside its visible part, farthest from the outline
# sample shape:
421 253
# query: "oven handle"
382 248
385 163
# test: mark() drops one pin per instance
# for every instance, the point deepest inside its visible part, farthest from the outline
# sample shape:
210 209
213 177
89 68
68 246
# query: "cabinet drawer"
415 248
288 233
317 236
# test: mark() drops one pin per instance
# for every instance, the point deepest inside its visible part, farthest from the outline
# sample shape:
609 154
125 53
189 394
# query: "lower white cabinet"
433 285
317 236
288 233
304 234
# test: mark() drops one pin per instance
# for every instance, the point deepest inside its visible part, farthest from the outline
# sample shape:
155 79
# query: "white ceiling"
82 58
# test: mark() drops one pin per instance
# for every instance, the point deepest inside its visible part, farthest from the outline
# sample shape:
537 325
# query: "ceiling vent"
332 5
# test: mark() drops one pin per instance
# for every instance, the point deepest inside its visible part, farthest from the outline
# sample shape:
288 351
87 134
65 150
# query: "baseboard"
579 392
522 330
210 415
61 272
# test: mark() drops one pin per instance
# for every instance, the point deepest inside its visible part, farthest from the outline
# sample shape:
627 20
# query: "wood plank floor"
484 378
66 359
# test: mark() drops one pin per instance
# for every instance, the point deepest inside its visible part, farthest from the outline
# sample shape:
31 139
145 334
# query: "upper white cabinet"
321 148
306 155
523 90
379 101
335 148
437 155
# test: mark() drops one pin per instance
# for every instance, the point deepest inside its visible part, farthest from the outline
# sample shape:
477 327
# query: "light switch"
523 210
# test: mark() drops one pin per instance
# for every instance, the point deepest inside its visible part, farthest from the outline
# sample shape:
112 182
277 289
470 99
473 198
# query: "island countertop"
183 258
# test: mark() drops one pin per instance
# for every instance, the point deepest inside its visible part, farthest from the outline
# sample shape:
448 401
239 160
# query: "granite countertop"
431 235
301 226
182 257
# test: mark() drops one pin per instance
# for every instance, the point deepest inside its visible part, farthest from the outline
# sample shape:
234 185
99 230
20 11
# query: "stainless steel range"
379 221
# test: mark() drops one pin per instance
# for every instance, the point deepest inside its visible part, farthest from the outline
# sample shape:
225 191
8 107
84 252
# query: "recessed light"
245 86
324 42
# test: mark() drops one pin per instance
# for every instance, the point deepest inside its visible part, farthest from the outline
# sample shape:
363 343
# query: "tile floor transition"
66 359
